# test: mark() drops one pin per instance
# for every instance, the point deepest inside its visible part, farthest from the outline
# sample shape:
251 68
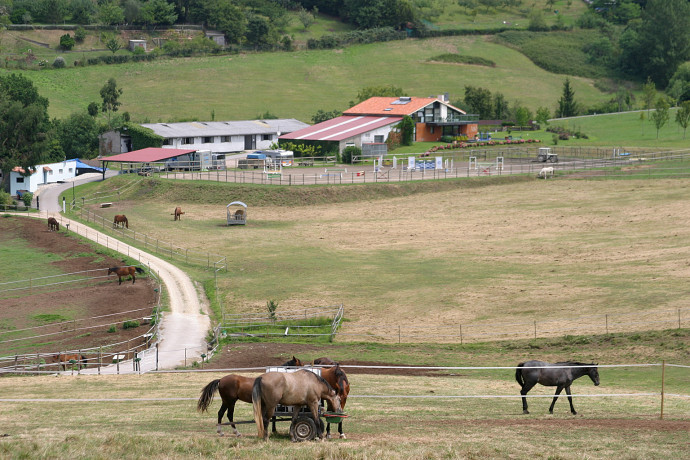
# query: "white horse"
545 172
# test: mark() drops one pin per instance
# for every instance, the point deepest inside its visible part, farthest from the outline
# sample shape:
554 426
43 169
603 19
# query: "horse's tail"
126 222
139 269
256 402
207 395
518 374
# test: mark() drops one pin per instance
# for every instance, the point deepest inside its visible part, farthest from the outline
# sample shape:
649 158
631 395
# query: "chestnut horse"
178 213
338 380
124 272
53 224
230 388
120 220
300 388
65 360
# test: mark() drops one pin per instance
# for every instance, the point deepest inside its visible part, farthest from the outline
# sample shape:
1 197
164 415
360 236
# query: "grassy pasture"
386 428
297 84
452 253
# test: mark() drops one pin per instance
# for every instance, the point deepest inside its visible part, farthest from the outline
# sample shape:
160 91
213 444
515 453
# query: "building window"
431 129
266 137
208 140
70 170
167 142
50 173
187 140
378 139
60 171
20 180
225 138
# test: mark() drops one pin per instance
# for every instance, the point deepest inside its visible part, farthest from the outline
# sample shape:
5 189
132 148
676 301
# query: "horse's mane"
320 379
341 376
575 363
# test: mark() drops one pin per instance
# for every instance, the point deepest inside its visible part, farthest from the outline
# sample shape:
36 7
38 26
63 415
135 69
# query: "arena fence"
659 391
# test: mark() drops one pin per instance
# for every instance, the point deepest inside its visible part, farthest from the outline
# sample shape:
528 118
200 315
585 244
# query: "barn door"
250 142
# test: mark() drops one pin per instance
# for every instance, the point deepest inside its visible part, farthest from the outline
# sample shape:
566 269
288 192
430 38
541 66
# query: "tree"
158 12
660 114
78 135
658 43
113 44
683 116
93 109
259 31
522 115
109 13
679 86
321 116
567 106
110 94
406 127
24 126
305 17
536 21
82 11
227 18
648 94
500 107
543 115
478 100
379 91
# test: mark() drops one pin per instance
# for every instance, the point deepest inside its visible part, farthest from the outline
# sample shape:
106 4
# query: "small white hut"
237 213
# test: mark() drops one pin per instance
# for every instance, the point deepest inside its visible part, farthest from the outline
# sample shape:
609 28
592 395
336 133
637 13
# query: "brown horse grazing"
338 380
66 360
300 388
230 388
53 224
124 272
120 220
178 213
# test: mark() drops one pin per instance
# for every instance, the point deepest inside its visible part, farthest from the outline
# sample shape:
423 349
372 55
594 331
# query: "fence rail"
537 328
238 323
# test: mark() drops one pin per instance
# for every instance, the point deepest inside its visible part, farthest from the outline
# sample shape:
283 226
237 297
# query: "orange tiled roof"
393 106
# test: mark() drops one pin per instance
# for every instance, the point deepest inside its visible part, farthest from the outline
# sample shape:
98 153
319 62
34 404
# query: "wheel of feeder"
304 429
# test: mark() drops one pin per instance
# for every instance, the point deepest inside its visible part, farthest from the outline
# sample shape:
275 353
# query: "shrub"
112 329
130 324
59 62
138 50
67 42
80 34
349 153
447 139
26 198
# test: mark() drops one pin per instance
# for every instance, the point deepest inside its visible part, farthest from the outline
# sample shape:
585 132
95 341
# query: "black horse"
553 375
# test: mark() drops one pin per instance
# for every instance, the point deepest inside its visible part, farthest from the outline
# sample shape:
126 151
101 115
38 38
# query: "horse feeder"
237 213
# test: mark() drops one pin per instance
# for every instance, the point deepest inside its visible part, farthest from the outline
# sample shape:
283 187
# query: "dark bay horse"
336 378
120 220
53 224
300 388
553 375
124 272
64 360
324 362
231 388
293 362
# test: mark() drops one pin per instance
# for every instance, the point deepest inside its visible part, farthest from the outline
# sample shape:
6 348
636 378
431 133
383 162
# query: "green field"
297 84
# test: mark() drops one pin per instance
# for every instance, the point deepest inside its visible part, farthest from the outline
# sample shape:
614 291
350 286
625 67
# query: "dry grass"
544 250
385 428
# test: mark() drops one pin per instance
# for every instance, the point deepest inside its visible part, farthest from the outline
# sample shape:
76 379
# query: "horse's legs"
314 408
231 416
525 388
558 391
134 278
221 412
340 430
570 400
267 415
119 280
273 423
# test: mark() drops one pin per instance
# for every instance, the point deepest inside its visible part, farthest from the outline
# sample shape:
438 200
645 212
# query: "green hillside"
297 84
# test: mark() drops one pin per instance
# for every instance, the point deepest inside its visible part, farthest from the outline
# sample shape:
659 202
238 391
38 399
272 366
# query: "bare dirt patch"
74 306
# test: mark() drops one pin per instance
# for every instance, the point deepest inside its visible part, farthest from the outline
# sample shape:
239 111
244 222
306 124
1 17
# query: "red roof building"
371 122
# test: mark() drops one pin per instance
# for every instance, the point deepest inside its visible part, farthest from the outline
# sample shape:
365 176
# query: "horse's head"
333 400
594 374
294 362
111 270
343 385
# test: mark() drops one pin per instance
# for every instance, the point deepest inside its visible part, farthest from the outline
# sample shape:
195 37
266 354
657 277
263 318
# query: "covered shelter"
144 156
237 213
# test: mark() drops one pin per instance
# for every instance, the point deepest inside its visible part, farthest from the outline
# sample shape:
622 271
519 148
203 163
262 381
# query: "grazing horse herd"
304 388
